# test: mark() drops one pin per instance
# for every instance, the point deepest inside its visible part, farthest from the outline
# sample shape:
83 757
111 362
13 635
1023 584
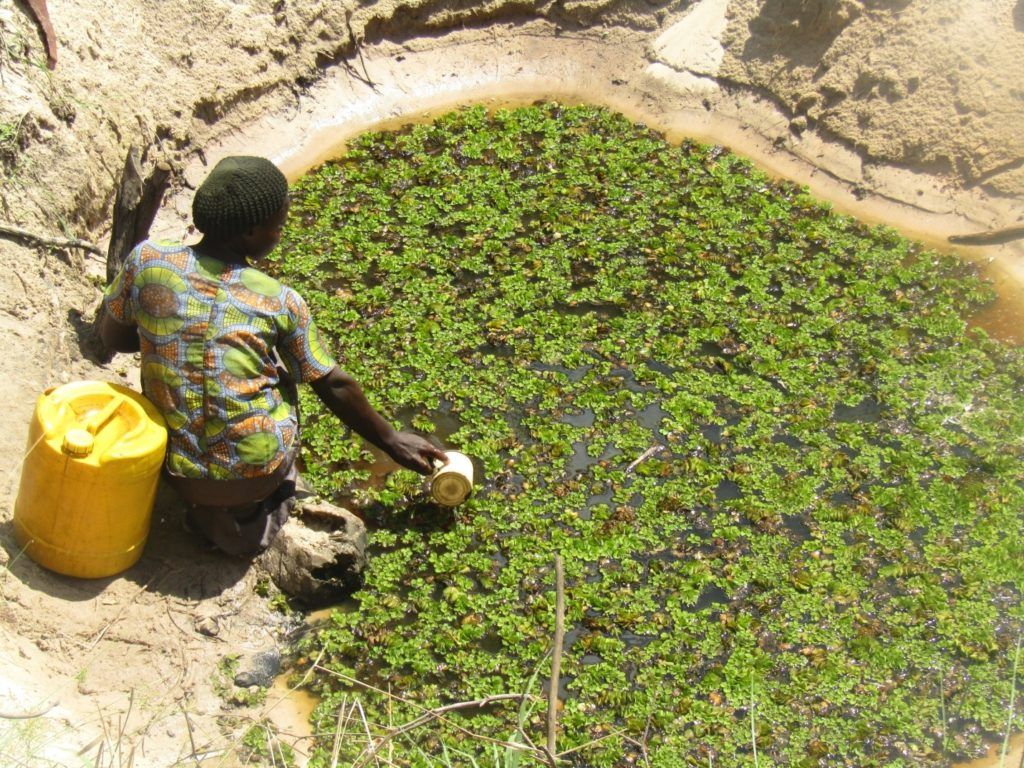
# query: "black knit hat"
239 193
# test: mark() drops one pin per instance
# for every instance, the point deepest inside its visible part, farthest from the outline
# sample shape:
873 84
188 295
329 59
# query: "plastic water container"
452 483
89 479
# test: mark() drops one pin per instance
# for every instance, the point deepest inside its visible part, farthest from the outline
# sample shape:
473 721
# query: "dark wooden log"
135 207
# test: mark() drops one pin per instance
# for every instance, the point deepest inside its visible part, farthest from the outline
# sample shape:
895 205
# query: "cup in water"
452 483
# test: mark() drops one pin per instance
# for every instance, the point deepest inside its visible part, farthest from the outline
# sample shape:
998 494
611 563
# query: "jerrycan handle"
78 443
97 422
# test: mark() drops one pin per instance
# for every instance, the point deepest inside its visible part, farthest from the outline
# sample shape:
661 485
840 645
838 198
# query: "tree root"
47 241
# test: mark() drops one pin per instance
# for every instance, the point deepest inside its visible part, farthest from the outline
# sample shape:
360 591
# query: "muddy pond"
780 458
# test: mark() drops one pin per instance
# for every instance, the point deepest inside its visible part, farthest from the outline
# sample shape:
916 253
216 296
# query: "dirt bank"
904 112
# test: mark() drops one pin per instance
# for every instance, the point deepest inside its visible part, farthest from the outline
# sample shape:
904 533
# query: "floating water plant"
783 471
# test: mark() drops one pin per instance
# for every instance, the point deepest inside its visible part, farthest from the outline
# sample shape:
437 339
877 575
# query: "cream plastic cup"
451 483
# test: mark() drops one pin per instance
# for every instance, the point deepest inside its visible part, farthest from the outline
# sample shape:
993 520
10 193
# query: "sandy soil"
898 111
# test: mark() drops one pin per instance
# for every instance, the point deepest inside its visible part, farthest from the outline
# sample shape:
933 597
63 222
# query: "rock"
258 669
207 625
798 124
319 557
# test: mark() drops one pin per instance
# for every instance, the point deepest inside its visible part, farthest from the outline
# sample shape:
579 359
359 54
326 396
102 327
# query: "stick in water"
556 659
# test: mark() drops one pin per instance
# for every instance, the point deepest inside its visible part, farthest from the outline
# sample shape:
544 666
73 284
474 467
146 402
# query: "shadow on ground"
174 562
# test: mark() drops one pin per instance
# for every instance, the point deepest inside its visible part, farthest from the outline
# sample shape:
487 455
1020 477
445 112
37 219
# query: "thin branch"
456 726
641 743
1009 716
270 748
433 714
753 722
391 724
521 722
124 723
592 742
338 728
30 715
191 736
365 77
942 704
120 613
48 241
644 456
366 729
556 654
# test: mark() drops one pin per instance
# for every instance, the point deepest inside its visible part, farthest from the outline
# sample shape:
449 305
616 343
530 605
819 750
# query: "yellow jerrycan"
89 479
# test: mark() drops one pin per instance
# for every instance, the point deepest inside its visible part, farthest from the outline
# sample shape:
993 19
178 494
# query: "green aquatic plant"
783 470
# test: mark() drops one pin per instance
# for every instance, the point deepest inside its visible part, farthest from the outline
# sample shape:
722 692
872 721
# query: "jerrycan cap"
77 443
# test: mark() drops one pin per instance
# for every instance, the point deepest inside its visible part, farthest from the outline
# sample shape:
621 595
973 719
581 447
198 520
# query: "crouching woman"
212 329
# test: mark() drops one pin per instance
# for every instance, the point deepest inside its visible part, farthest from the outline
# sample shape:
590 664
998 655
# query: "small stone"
258 670
207 625
798 124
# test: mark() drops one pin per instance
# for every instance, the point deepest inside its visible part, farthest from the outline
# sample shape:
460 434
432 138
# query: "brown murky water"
290 710
994 759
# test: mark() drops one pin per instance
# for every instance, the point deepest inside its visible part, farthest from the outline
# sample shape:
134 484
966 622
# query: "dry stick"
280 750
644 456
456 726
102 632
103 725
942 704
3 50
191 736
592 742
336 746
641 743
31 715
1009 717
270 749
124 724
355 43
391 724
556 655
434 714
48 241
366 729
753 730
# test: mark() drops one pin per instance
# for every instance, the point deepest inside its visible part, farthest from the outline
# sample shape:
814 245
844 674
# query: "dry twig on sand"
48 241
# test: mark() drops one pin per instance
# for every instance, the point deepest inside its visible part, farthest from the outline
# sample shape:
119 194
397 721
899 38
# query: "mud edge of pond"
390 85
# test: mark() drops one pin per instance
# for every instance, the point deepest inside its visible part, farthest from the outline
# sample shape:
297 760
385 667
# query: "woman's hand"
414 452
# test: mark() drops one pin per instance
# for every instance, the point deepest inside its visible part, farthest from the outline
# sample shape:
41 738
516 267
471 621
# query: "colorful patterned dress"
209 331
